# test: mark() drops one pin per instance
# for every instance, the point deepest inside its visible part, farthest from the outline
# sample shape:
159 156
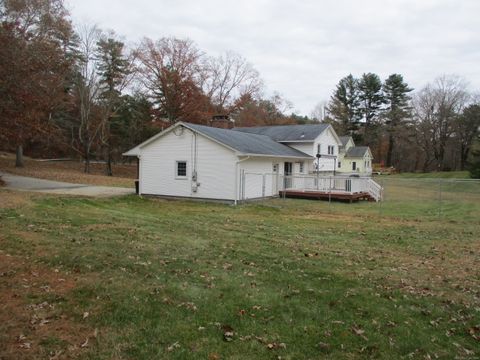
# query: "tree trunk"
464 150
19 157
390 149
87 163
109 162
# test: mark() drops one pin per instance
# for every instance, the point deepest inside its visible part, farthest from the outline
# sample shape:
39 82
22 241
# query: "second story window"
331 149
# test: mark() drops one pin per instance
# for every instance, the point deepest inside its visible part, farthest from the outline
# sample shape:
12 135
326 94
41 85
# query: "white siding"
325 139
215 167
256 169
308 149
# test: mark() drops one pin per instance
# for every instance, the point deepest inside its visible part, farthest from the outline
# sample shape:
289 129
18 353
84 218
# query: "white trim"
179 177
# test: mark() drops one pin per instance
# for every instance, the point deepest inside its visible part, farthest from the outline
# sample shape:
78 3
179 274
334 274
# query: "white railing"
339 184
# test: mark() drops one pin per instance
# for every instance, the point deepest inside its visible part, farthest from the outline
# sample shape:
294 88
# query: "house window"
318 148
354 165
339 164
302 167
331 149
181 169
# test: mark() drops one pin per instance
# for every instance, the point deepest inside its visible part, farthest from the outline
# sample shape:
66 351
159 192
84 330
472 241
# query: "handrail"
344 184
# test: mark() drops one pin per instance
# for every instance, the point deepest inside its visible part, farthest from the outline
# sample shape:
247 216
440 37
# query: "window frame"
181 177
354 165
301 167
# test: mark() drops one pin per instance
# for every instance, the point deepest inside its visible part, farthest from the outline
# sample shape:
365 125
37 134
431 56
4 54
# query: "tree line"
80 90
435 128
83 91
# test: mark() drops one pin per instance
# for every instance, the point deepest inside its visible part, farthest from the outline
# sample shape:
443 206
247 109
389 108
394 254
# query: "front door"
287 171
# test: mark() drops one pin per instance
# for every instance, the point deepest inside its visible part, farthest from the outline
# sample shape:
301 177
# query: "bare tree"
87 89
229 77
437 107
319 111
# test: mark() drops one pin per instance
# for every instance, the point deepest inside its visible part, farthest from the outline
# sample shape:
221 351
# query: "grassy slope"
295 279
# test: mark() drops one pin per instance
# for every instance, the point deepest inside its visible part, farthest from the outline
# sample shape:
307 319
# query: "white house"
310 139
354 159
196 161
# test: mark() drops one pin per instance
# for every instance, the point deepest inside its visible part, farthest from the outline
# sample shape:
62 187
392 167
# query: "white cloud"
302 48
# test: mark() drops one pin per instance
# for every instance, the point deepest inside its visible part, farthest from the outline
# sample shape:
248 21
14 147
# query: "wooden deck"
325 195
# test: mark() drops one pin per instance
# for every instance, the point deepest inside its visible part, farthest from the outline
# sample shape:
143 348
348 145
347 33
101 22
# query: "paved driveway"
24 183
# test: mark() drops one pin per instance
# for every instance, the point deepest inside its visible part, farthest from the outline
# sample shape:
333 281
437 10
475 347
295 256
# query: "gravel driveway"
24 183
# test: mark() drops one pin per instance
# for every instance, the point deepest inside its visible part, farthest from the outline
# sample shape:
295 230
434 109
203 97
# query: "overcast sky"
303 48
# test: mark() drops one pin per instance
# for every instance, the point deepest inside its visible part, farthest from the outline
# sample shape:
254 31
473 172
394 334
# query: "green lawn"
435 175
281 279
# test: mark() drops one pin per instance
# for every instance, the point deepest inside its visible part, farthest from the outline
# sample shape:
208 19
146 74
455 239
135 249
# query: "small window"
354 165
331 149
318 148
302 167
339 164
181 169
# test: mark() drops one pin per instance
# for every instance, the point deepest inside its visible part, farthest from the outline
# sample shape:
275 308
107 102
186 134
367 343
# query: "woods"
79 91
431 129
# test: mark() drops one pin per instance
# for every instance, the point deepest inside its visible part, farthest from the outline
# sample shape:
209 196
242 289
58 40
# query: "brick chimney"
221 121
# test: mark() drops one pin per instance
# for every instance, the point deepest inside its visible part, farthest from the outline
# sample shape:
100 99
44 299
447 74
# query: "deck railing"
333 184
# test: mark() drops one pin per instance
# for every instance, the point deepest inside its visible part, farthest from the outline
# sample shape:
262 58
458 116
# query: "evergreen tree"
397 109
113 70
371 100
474 164
344 105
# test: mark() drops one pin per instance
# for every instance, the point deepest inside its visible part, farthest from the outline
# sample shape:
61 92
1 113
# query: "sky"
303 48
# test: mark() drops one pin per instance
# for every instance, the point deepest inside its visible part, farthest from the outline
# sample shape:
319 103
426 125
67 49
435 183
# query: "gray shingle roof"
286 132
344 139
248 143
356 151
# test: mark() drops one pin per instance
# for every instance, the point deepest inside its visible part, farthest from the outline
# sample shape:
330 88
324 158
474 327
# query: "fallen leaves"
359 332
228 333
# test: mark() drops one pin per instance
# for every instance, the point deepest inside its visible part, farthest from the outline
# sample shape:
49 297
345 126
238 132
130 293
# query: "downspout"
236 178
139 175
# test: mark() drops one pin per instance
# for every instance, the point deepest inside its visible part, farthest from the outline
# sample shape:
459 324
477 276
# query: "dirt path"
23 183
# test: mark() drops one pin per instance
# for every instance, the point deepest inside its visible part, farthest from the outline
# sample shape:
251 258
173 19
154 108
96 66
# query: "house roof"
287 133
357 151
344 139
241 142
247 143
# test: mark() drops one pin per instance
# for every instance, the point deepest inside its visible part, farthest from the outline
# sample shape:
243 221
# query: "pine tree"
371 100
397 109
113 70
344 105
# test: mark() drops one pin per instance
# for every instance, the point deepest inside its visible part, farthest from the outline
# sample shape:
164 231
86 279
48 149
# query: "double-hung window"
181 169
331 149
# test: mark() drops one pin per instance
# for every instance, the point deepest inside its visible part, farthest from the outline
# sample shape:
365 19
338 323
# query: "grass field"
434 175
133 278
70 171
